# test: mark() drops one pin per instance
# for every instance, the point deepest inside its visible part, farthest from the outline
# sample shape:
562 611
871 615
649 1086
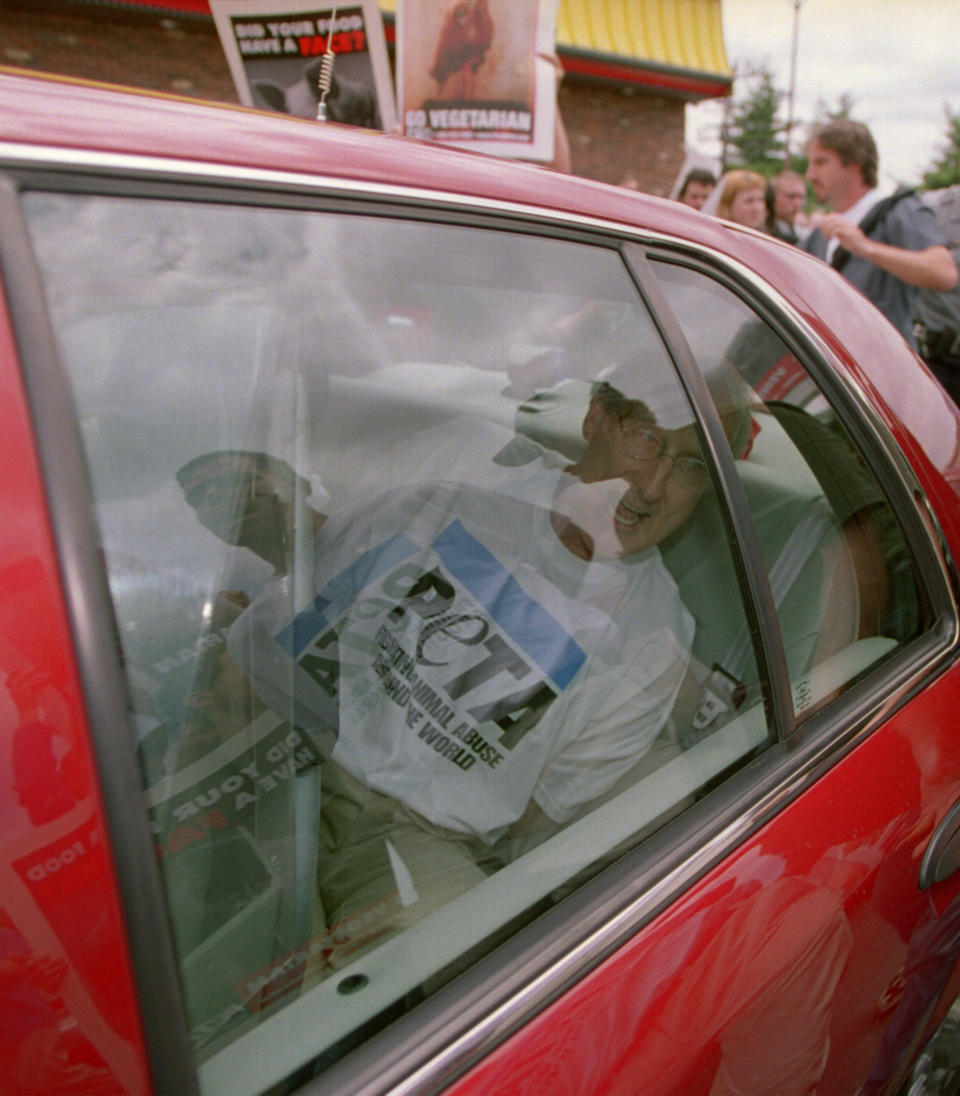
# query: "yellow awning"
684 34
674 46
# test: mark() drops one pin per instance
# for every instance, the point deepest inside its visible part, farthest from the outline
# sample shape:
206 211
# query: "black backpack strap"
874 218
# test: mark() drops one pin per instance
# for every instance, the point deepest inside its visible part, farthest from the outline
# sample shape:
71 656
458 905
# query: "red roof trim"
162 7
606 67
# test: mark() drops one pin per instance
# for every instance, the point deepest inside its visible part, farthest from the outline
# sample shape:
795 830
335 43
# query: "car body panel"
822 896
834 922
59 892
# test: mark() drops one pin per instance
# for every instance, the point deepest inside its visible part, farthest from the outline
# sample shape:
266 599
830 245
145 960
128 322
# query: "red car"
462 628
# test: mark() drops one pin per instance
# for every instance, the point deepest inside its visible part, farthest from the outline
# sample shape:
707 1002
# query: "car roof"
37 109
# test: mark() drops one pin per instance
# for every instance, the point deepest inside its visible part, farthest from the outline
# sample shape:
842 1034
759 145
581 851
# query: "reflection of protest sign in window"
479 74
239 876
275 48
230 785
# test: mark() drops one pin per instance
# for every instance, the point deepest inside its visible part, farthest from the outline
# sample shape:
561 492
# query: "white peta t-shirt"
457 657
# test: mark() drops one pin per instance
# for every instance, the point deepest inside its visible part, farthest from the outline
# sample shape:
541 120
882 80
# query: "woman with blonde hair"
740 196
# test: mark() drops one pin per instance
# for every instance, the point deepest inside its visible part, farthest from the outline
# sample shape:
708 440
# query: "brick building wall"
617 135
117 45
623 136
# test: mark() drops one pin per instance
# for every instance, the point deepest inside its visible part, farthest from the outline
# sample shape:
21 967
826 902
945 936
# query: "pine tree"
945 171
753 130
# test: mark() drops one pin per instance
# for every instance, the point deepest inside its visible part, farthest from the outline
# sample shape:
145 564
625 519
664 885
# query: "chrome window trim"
21 156
426 1049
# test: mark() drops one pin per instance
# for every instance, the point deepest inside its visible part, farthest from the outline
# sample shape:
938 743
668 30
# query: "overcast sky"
896 58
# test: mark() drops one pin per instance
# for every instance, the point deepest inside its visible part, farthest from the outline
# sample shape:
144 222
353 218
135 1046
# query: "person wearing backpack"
937 316
886 247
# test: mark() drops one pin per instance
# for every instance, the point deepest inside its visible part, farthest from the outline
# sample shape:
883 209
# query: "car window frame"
742 538
868 432
444 1035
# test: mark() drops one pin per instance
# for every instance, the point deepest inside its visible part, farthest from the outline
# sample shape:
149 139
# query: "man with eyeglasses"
477 668
662 470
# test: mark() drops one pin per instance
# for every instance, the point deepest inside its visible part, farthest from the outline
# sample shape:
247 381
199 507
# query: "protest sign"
479 74
275 50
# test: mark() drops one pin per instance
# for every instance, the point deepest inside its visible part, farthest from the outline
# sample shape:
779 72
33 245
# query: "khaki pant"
381 867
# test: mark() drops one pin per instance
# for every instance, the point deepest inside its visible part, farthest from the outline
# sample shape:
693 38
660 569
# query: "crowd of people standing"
900 250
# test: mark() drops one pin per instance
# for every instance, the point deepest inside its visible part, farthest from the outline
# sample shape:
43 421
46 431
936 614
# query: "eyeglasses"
639 443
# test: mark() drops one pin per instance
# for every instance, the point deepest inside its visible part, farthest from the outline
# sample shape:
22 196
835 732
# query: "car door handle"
942 856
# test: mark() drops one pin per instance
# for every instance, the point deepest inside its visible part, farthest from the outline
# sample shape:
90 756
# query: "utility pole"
793 81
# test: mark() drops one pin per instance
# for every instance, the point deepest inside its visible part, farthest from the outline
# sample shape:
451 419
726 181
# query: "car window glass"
843 578
403 525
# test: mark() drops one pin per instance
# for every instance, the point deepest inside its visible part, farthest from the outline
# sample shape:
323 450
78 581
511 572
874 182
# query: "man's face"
790 196
834 182
634 486
696 194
